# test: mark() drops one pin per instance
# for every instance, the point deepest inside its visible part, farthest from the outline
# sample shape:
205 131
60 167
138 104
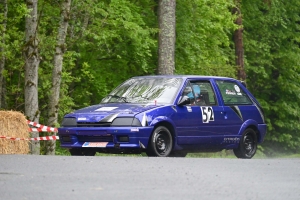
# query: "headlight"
126 121
69 122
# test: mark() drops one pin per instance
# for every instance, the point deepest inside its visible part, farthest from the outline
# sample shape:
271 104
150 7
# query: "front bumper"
111 137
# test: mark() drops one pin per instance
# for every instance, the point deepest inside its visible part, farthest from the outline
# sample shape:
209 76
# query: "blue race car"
168 116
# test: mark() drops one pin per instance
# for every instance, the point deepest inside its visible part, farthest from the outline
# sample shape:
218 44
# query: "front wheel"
248 145
161 143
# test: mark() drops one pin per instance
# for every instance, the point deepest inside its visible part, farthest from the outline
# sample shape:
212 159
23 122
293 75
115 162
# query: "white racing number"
207 114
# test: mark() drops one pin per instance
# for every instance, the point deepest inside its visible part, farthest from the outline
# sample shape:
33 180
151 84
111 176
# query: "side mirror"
184 101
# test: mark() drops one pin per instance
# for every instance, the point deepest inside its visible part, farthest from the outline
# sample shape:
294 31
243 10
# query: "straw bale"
13 124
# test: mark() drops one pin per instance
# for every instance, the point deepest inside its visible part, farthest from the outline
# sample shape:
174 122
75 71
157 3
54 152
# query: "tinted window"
233 94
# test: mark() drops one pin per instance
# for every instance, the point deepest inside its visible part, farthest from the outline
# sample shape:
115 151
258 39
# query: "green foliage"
61 151
204 30
114 40
14 62
272 35
109 41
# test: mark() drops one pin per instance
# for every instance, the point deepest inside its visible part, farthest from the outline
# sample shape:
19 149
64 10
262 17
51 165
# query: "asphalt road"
122 178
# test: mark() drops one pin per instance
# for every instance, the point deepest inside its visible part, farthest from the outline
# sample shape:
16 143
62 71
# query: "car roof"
186 77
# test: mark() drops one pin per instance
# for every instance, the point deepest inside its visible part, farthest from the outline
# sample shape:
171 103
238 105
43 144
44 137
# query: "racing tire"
161 143
81 152
247 146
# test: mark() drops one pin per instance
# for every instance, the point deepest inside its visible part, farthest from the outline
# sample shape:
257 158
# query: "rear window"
233 94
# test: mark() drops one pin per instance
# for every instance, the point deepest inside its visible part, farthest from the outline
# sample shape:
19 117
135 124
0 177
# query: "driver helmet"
196 89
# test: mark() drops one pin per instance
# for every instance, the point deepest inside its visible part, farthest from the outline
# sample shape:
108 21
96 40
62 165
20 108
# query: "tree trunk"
238 41
57 71
3 4
32 61
166 40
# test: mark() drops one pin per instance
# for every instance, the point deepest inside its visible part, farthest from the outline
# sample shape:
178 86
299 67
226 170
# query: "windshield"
157 90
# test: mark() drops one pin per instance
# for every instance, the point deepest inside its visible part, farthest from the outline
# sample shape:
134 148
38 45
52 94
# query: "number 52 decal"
207 114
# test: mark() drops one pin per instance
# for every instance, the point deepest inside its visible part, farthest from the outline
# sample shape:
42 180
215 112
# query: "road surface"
64 177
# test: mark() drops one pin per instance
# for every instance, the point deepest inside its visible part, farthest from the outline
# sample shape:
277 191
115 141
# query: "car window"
200 93
160 90
233 94
206 94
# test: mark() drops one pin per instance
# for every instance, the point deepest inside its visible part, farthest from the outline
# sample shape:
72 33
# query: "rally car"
168 115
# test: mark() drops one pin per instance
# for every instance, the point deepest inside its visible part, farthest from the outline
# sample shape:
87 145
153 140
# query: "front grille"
93 124
93 138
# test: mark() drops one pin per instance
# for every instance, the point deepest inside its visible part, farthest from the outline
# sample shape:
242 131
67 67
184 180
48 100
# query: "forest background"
109 41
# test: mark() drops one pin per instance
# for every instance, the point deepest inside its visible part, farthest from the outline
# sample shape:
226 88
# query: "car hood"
98 112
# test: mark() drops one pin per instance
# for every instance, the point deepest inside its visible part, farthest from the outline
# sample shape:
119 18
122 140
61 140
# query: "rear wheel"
81 152
248 145
160 143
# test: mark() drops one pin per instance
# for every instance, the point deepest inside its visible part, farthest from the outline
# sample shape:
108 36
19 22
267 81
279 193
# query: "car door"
198 121
238 107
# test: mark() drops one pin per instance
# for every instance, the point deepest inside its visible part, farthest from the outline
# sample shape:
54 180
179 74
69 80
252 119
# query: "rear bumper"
104 137
262 128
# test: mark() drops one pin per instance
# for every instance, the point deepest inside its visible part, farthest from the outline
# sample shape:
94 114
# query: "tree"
57 70
111 40
238 42
166 38
3 5
32 61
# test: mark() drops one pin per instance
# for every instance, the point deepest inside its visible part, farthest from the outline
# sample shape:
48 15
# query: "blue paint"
135 108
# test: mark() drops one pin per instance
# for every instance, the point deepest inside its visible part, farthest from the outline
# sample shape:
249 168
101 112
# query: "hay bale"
13 124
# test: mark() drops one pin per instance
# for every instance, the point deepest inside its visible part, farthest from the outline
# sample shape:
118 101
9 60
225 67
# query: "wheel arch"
255 129
170 127
254 126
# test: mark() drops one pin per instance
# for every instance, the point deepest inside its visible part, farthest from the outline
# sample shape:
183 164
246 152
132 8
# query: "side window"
232 94
203 92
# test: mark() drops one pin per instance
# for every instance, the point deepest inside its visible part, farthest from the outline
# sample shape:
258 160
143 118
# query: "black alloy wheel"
248 145
161 143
